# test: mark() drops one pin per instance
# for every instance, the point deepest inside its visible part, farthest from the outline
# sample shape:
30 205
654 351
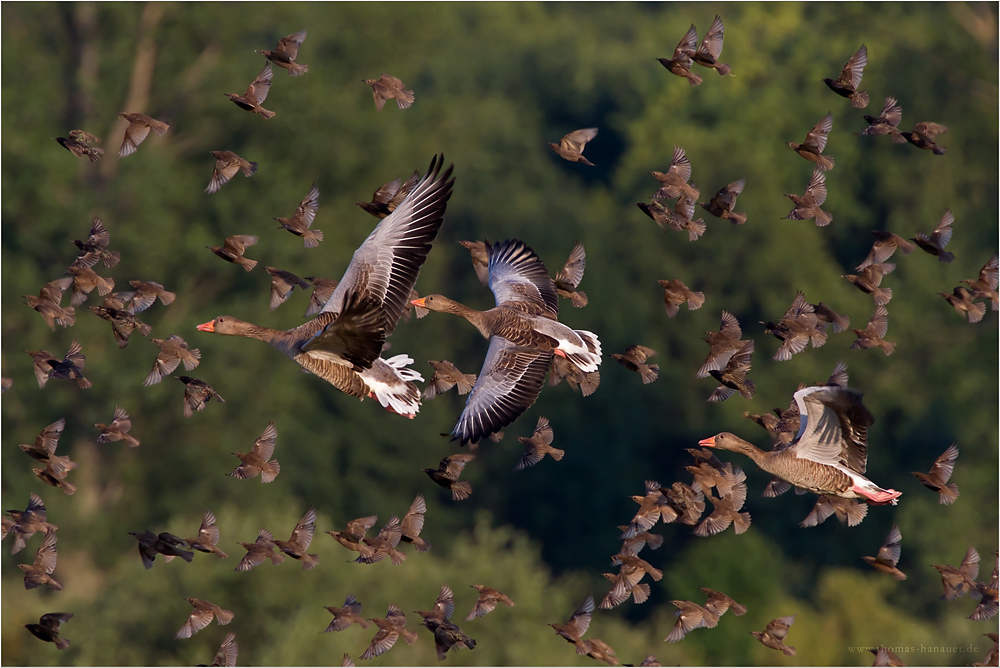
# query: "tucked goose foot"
879 498
560 353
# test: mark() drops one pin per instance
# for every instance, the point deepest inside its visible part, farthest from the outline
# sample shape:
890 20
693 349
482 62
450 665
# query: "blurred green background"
493 83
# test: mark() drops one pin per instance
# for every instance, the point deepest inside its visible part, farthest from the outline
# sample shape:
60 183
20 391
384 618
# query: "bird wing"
572 272
854 68
508 384
516 274
580 621
302 534
264 445
198 620
135 134
688 44
816 139
48 439
891 548
945 464
228 652
817 186
257 91
712 43
289 46
381 643
306 213
223 172
680 164
942 233
892 113
833 427
575 141
413 521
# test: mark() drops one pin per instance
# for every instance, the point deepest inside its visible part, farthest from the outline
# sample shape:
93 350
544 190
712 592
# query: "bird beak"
707 442
419 302
207 326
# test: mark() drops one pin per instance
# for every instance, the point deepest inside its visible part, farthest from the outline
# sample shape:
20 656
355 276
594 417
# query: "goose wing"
833 427
518 275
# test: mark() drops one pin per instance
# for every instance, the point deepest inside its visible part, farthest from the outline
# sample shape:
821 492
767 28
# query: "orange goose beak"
705 442
207 326
419 302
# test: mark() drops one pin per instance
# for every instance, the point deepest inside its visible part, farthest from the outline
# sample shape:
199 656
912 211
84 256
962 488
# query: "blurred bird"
413 524
571 146
151 544
870 279
300 224
256 93
993 656
228 652
322 291
627 581
49 477
724 202
679 219
95 247
40 572
202 616
922 136
683 56
447 474
597 649
352 536
988 606
850 511
676 293
48 300
487 601
71 366
634 359
573 630
256 461
872 335
985 287
232 250
79 144
796 328
939 238
384 544
285 53
197 393
569 277
347 662
227 164
538 445
711 48
812 148
347 615
173 351
808 205
724 344
846 85
47 628
207 538
85 280
389 631
674 182
44 448
446 376
283 283
685 504
885 657
28 522
727 509
719 603
634 545
138 129
299 541
774 635
388 197
480 259
733 377
146 292
117 430
122 323
826 316
959 581
885 245
260 551
651 506
561 369
387 87
887 123
888 555
446 634
690 616
961 300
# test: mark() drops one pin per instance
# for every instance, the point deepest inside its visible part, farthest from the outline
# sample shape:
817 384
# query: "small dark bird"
384 544
28 522
387 87
826 316
985 287
724 344
870 279
939 238
48 300
937 478
796 328
885 657
71 366
959 581
256 93
446 634
233 248
710 48
690 616
571 146
322 291
846 85
888 555
597 649
95 247
577 626
727 509
988 606
634 545
173 351
538 445
674 182
872 335
922 136
724 201
260 551
299 541
413 524
122 323
849 511
487 601
228 652
197 393
480 261
49 477
202 616
151 544
256 461
447 474
85 280
679 219
283 283
300 224
634 359
285 53
562 369
117 430
388 197
146 292
676 293
774 635
812 148
651 507
718 603
808 205
681 62
567 278
227 164
44 448
733 377
138 129
961 300
40 572
626 582
207 538
446 376
352 536
347 615
47 628
887 123
885 245
78 144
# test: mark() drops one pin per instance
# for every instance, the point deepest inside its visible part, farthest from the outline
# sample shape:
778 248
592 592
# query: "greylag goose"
342 344
524 335
830 453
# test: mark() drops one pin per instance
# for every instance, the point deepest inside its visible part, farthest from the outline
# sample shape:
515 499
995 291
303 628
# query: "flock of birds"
819 442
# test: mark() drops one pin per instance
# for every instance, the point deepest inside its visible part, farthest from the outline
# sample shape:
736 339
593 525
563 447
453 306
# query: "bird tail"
723 69
557 454
248 171
585 161
223 617
111 258
422 544
68 317
310 561
859 99
270 471
640 593
938 150
949 494
696 228
789 651
737 218
186 555
888 347
61 643
247 263
579 299
818 339
130 441
882 296
404 99
825 162
897 136
748 389
167 297
399 394
976 311
461 490
296 70
396 557
266 113
945 256
741 522
276 558
83 382
69 489
311 238
694 79
95 156
823 218
650 373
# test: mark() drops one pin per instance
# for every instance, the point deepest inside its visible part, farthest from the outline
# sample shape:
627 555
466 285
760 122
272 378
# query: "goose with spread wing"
524 335
830 453
343 343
